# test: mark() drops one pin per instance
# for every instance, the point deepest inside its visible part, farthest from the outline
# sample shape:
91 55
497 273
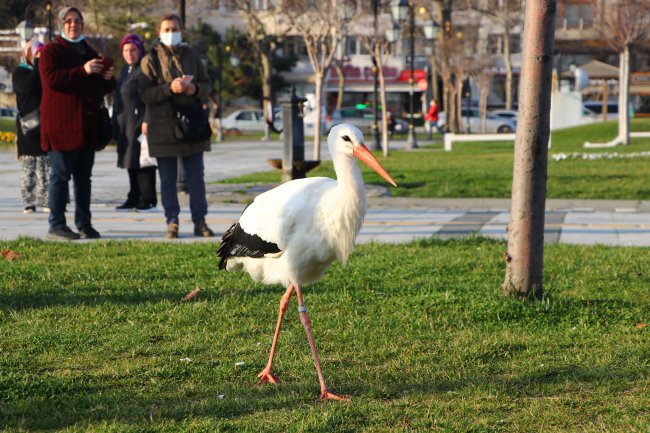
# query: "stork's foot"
267 376
326 395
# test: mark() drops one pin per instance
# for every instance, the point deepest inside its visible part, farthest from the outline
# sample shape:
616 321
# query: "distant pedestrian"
432 117
35 166
75 80
129 115
174 78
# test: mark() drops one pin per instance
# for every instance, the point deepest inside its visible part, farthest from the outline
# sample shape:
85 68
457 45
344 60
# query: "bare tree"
525 255
623 23
378 46
317 23
265 28
484 76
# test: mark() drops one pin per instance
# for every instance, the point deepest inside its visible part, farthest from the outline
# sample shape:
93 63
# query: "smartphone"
187 78
107 62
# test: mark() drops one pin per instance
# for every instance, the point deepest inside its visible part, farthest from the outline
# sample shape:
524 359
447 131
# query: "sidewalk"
617 222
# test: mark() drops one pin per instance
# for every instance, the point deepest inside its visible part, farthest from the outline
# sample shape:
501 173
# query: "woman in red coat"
74 82
432 117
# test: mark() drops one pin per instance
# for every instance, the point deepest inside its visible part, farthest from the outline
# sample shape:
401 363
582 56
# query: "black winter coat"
128 115
27 85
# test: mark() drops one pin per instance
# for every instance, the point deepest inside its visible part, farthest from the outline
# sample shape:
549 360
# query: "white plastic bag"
145 159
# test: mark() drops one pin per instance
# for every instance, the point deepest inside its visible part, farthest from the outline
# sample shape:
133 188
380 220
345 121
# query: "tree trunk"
339 72
318 84
508 64
265 64
434 77
623 96
384 108
525 255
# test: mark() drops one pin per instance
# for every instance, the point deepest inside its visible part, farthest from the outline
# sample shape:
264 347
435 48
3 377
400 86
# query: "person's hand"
177 86
190 89
144 128
93 66
108 74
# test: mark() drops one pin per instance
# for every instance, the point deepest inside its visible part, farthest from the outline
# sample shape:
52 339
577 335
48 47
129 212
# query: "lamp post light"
48 9
25 30
400 10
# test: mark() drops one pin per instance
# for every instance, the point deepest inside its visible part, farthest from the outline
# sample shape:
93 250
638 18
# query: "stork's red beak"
368 158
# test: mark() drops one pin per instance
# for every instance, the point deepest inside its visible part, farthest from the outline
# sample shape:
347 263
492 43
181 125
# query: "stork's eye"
347 138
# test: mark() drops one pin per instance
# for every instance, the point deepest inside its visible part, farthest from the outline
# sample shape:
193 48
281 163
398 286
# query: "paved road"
621 222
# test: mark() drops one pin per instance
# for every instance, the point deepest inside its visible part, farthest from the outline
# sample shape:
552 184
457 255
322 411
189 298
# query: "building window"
494 44
578 15
295 46
259 5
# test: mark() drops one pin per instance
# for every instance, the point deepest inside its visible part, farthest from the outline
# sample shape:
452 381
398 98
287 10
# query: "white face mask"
171 39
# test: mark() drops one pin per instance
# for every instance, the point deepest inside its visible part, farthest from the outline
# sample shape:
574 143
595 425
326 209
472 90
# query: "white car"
244 120
472 122
595 110
506 114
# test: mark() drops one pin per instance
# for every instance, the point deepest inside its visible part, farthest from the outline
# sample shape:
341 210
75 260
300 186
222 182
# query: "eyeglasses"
75 21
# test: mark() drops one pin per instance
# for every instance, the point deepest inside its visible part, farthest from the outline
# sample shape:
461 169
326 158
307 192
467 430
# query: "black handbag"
192 123
30 124
104 128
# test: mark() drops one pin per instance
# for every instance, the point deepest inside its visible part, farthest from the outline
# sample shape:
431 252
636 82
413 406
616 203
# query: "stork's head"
348 139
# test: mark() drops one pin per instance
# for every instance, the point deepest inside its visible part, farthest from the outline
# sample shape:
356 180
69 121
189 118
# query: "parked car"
8 113
506 114
244 120
472 122
363 119
596 107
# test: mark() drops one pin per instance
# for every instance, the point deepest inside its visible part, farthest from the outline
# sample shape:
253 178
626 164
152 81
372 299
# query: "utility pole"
525 255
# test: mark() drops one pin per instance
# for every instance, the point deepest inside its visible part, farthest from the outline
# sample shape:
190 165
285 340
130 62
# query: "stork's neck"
350 182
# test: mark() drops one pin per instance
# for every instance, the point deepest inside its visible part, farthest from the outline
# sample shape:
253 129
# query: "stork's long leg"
267 374
306 322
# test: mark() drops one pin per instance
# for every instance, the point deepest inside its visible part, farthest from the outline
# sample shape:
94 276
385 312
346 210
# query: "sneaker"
46 209
147 208
202 230
62 233
88 232
29 209
172 231
126 207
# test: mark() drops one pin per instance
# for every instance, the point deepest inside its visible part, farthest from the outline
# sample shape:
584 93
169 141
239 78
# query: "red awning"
418 74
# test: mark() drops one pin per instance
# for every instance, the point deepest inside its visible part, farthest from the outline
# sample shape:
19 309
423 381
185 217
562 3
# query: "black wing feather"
237 243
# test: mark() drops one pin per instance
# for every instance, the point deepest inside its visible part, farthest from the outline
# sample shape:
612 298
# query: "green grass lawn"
419 335
485 169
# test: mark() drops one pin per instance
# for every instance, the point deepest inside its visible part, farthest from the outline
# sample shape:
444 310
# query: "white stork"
291 234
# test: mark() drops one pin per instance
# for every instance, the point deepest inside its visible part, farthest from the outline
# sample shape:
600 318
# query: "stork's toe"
267 376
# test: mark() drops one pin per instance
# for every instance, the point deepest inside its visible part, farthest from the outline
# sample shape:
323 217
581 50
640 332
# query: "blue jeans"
194 180
438 127
77 164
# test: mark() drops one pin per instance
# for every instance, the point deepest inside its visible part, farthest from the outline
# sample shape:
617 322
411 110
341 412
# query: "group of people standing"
67 81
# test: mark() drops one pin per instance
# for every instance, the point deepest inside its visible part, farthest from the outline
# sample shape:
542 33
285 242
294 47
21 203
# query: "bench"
450 138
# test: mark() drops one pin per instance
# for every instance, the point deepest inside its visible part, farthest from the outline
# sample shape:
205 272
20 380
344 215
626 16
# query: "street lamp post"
375 74
48 9
400 10
220 83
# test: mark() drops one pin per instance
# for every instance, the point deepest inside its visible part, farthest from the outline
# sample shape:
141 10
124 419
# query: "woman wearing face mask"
173 72
128 115
74 81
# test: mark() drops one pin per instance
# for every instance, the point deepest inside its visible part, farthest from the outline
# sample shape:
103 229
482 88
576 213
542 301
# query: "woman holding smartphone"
173 74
